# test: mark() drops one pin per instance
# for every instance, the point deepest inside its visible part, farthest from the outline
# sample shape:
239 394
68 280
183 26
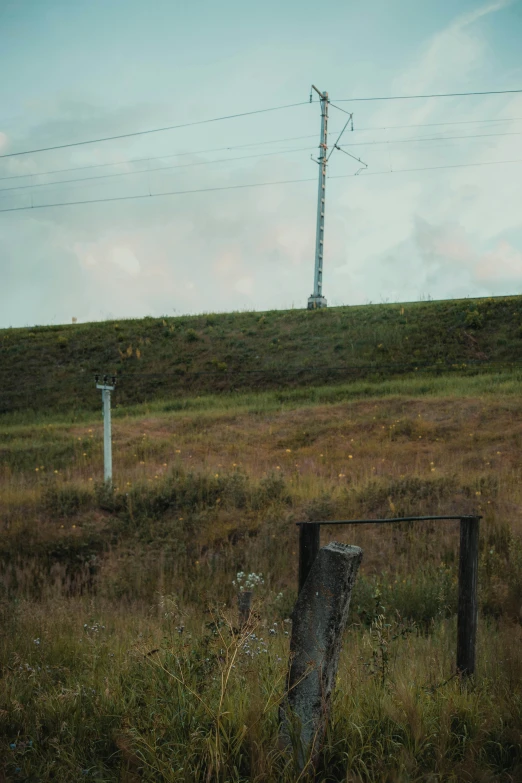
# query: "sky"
436 214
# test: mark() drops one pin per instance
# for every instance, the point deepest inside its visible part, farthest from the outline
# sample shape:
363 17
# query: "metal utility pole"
317 299
107 437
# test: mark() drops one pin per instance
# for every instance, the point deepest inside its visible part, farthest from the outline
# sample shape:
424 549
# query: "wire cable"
153 130
256 155
431 95
252 185
151 171
431 138
252 144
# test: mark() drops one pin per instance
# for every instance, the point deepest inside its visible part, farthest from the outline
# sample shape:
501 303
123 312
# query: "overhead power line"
151 171
430 95
253 185
153 130
250 144
430 138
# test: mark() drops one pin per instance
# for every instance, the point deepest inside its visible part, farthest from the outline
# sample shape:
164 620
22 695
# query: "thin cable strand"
253 185
153 130
150 171
431 95
251 144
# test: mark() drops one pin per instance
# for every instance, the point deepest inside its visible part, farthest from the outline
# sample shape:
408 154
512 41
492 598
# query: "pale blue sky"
74 70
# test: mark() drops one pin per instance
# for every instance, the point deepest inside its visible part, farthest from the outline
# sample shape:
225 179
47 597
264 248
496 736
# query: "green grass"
120 658
52 368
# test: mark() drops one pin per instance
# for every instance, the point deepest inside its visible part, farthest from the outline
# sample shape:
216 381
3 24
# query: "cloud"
503 263
452 232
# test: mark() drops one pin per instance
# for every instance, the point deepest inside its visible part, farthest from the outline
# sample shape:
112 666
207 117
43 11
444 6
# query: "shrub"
67 500
474 319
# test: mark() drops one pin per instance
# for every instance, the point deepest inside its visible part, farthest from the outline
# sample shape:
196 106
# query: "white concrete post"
107 434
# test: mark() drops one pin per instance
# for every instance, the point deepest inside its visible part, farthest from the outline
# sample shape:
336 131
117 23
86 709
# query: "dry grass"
103 581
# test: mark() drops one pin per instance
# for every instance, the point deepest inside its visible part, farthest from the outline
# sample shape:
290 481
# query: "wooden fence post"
318 622
468 598
309 545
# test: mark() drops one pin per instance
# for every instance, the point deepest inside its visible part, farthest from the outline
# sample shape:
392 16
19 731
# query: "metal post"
107 434
317 299
468 602
309 545
107 441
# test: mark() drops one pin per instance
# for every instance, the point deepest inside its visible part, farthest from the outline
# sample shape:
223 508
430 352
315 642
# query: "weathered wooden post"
319 619
468 599
309 543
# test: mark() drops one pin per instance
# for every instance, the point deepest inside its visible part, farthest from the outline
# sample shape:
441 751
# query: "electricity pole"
107 438
317 299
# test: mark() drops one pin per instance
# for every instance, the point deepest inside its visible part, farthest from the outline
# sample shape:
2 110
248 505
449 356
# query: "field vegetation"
52 367
121 654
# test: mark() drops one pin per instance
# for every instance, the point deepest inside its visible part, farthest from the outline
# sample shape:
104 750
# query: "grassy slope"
52 367
90 585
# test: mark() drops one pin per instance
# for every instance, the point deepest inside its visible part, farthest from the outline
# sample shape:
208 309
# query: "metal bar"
468 602
309 544
384 521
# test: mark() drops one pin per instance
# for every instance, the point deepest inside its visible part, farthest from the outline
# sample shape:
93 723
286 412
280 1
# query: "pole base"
315 302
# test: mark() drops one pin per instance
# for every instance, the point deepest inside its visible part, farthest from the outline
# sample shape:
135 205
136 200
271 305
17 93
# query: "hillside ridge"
52 367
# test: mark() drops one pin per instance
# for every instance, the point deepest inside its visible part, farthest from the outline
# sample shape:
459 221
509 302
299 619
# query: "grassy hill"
120 656
52 367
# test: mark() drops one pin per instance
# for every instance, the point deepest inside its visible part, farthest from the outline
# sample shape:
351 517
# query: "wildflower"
478 493
164 464
341 475
277 467
350 456
84 454
178 451
288 451
37 469
90 479
216 475
73 526
56 471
